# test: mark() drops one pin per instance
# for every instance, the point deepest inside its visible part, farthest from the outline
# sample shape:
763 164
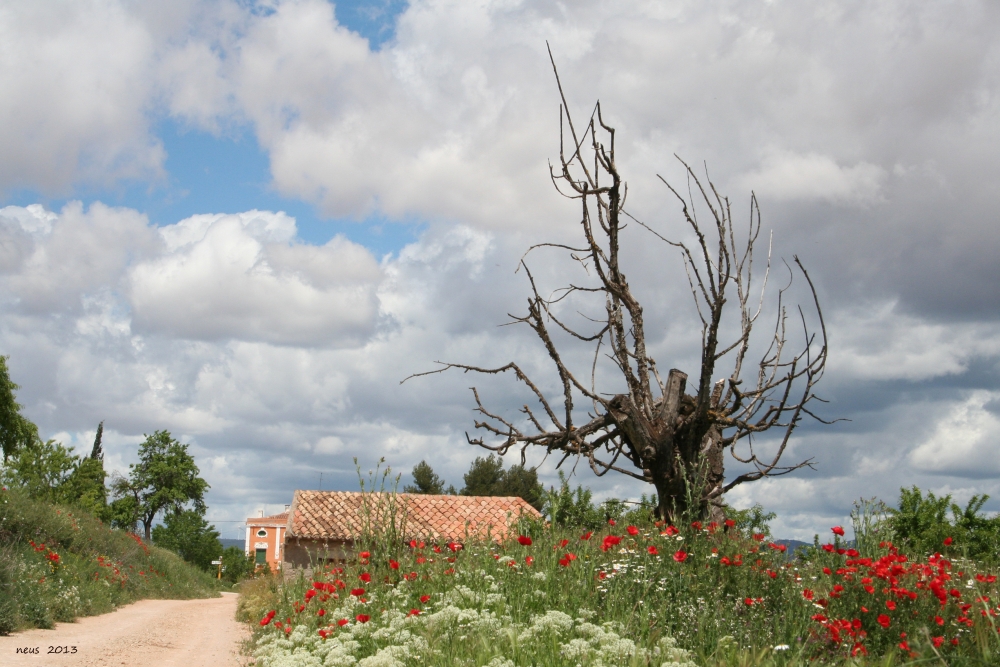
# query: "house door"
261 558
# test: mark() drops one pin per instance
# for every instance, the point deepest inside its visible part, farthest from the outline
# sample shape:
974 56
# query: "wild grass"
631 595
58 563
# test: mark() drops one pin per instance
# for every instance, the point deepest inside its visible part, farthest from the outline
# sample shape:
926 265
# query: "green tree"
165 478
523 483
487 477
43 470
425 480
572 507
16 431
236 565
922 524
188 534
86 486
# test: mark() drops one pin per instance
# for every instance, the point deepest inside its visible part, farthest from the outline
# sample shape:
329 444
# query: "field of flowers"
58 563
671 596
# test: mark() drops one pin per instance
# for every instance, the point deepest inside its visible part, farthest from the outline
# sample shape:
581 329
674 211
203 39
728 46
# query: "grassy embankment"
630 595
58 563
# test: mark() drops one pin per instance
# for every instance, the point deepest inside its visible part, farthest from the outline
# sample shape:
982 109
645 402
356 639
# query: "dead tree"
655 431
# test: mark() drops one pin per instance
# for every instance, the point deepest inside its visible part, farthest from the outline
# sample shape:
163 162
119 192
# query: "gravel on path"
149 633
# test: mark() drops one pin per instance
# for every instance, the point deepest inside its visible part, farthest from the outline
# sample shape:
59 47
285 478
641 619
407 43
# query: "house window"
261 558
261 533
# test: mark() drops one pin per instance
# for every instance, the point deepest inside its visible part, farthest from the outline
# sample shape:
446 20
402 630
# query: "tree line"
486 477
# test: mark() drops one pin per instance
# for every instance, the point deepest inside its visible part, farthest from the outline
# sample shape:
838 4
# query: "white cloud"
75 83
877 342
789 176
237 276
964 442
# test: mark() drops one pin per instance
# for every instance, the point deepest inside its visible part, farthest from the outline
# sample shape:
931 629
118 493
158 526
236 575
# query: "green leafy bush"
922 523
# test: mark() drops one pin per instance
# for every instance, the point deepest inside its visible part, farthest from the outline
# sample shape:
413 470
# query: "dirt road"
150 633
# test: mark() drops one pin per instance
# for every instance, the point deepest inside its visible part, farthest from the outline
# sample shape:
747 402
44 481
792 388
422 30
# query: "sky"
246 222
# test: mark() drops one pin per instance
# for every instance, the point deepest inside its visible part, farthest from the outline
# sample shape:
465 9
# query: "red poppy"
323 634
807 594
454 546
611 522
393 564
890 605
364 555
564 561
321 612
669 531
365 577
632 530
610 541
562 544
884 620
696 525
937 641
748 602
363 618
730 523
342 622
587 535
652 550
680 556
939 620
424 598
310 594
357 592
528 560
524 540
947 541
837 530
414 612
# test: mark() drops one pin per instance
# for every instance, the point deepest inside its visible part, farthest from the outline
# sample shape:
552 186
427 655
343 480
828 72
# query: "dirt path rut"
150 633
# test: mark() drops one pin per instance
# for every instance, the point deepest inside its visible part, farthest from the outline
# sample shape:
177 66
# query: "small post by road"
219 563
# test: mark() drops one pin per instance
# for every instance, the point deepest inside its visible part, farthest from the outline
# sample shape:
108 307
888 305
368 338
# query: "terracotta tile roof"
273 520
337 515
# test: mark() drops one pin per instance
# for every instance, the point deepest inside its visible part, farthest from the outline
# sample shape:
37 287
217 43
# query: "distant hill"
793 545
232 543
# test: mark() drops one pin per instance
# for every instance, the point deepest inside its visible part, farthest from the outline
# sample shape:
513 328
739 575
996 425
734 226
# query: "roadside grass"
58 563
647 594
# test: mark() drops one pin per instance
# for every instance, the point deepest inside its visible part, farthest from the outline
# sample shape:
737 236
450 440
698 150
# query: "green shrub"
922 524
